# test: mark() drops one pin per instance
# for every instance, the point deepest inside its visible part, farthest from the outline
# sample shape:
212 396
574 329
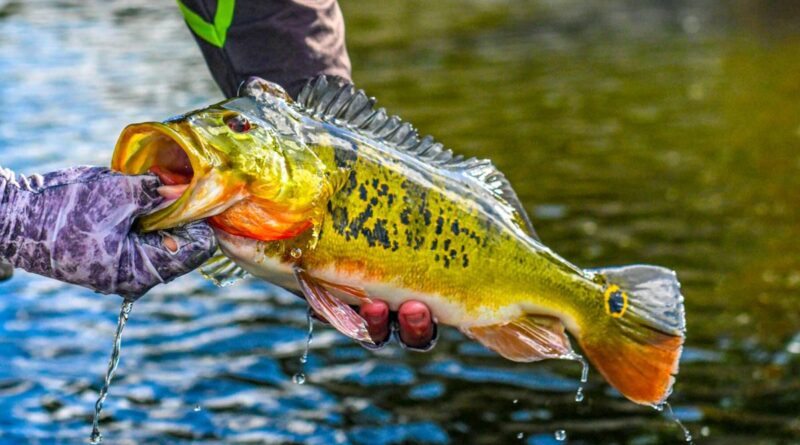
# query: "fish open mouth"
164 151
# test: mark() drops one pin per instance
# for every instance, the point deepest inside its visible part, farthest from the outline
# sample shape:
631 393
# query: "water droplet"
113 362
579 395
309 338
197 408
96 437
687 436
520 435
515 401
296 253
560 435
299 378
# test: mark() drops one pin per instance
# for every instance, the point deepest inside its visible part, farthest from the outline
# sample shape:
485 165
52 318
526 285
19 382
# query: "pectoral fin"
222 271
529 338
355 292
339 315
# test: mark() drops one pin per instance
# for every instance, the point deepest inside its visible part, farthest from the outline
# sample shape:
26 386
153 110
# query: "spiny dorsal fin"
335 100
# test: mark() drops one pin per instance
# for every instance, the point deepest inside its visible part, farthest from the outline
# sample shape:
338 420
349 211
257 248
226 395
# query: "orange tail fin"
639 349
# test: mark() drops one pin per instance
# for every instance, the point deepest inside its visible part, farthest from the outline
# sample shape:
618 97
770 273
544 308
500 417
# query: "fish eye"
237 123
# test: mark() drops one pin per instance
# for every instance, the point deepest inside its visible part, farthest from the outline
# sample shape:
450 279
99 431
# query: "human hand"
413 324
75 225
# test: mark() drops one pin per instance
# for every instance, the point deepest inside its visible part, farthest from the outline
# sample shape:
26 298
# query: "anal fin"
338 313
529 338
222 271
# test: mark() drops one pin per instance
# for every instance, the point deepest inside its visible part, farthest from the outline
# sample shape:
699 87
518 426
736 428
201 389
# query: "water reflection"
659 132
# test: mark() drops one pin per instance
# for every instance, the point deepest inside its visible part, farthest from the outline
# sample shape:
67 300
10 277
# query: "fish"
331 196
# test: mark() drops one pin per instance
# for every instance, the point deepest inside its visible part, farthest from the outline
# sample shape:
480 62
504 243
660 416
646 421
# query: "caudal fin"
639 348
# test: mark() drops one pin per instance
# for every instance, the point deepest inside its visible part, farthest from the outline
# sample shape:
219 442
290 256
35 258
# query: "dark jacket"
283 41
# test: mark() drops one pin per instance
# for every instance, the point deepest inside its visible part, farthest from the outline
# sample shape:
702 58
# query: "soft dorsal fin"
335 100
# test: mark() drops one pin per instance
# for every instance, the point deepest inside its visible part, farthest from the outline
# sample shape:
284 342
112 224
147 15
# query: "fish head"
241 163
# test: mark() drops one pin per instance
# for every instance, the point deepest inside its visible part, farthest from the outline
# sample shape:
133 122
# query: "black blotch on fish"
346 158
447 244
465 263
418 242
357 223
384 189
434 243
454 227
373 201
352 182
362 192
439 225
426 215
404 216
377 235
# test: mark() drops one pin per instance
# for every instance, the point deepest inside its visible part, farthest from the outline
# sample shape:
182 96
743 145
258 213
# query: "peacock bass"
333 197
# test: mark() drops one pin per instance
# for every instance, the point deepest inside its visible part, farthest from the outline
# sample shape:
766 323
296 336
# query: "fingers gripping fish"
333 197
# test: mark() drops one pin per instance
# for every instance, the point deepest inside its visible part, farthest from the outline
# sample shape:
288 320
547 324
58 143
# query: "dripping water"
96 437
300 376
579 395
687 436
560 435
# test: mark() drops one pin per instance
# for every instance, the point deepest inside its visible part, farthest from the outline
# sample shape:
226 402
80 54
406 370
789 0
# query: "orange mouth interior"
173 168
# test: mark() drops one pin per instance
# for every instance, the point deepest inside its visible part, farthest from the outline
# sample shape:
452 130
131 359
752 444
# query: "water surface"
663 132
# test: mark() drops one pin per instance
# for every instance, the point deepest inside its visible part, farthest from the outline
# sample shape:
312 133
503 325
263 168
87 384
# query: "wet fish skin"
350 206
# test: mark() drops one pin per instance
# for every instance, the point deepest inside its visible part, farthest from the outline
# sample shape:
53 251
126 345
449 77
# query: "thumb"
180 250
193 243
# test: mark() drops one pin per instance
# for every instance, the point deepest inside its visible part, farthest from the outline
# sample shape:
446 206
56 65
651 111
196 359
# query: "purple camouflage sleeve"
75 225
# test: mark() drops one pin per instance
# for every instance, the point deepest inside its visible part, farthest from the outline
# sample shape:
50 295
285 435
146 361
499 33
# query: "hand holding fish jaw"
75 225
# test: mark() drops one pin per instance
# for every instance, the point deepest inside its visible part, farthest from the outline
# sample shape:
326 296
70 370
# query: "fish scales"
332 197
408 227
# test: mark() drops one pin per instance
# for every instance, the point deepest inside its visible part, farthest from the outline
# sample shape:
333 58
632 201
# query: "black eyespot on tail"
616 301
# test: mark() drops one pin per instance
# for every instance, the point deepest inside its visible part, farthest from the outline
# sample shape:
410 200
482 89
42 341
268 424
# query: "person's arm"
289 42
286 42
76 225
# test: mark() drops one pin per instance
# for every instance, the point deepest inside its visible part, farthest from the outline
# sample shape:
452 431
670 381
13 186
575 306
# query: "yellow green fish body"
334 198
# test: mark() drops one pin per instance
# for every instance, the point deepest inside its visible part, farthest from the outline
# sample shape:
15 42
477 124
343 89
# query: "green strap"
213 33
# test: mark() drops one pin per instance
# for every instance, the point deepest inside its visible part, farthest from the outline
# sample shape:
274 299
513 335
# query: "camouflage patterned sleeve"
75 225
283 41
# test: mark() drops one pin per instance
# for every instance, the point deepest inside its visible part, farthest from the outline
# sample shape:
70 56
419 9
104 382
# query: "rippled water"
664 132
